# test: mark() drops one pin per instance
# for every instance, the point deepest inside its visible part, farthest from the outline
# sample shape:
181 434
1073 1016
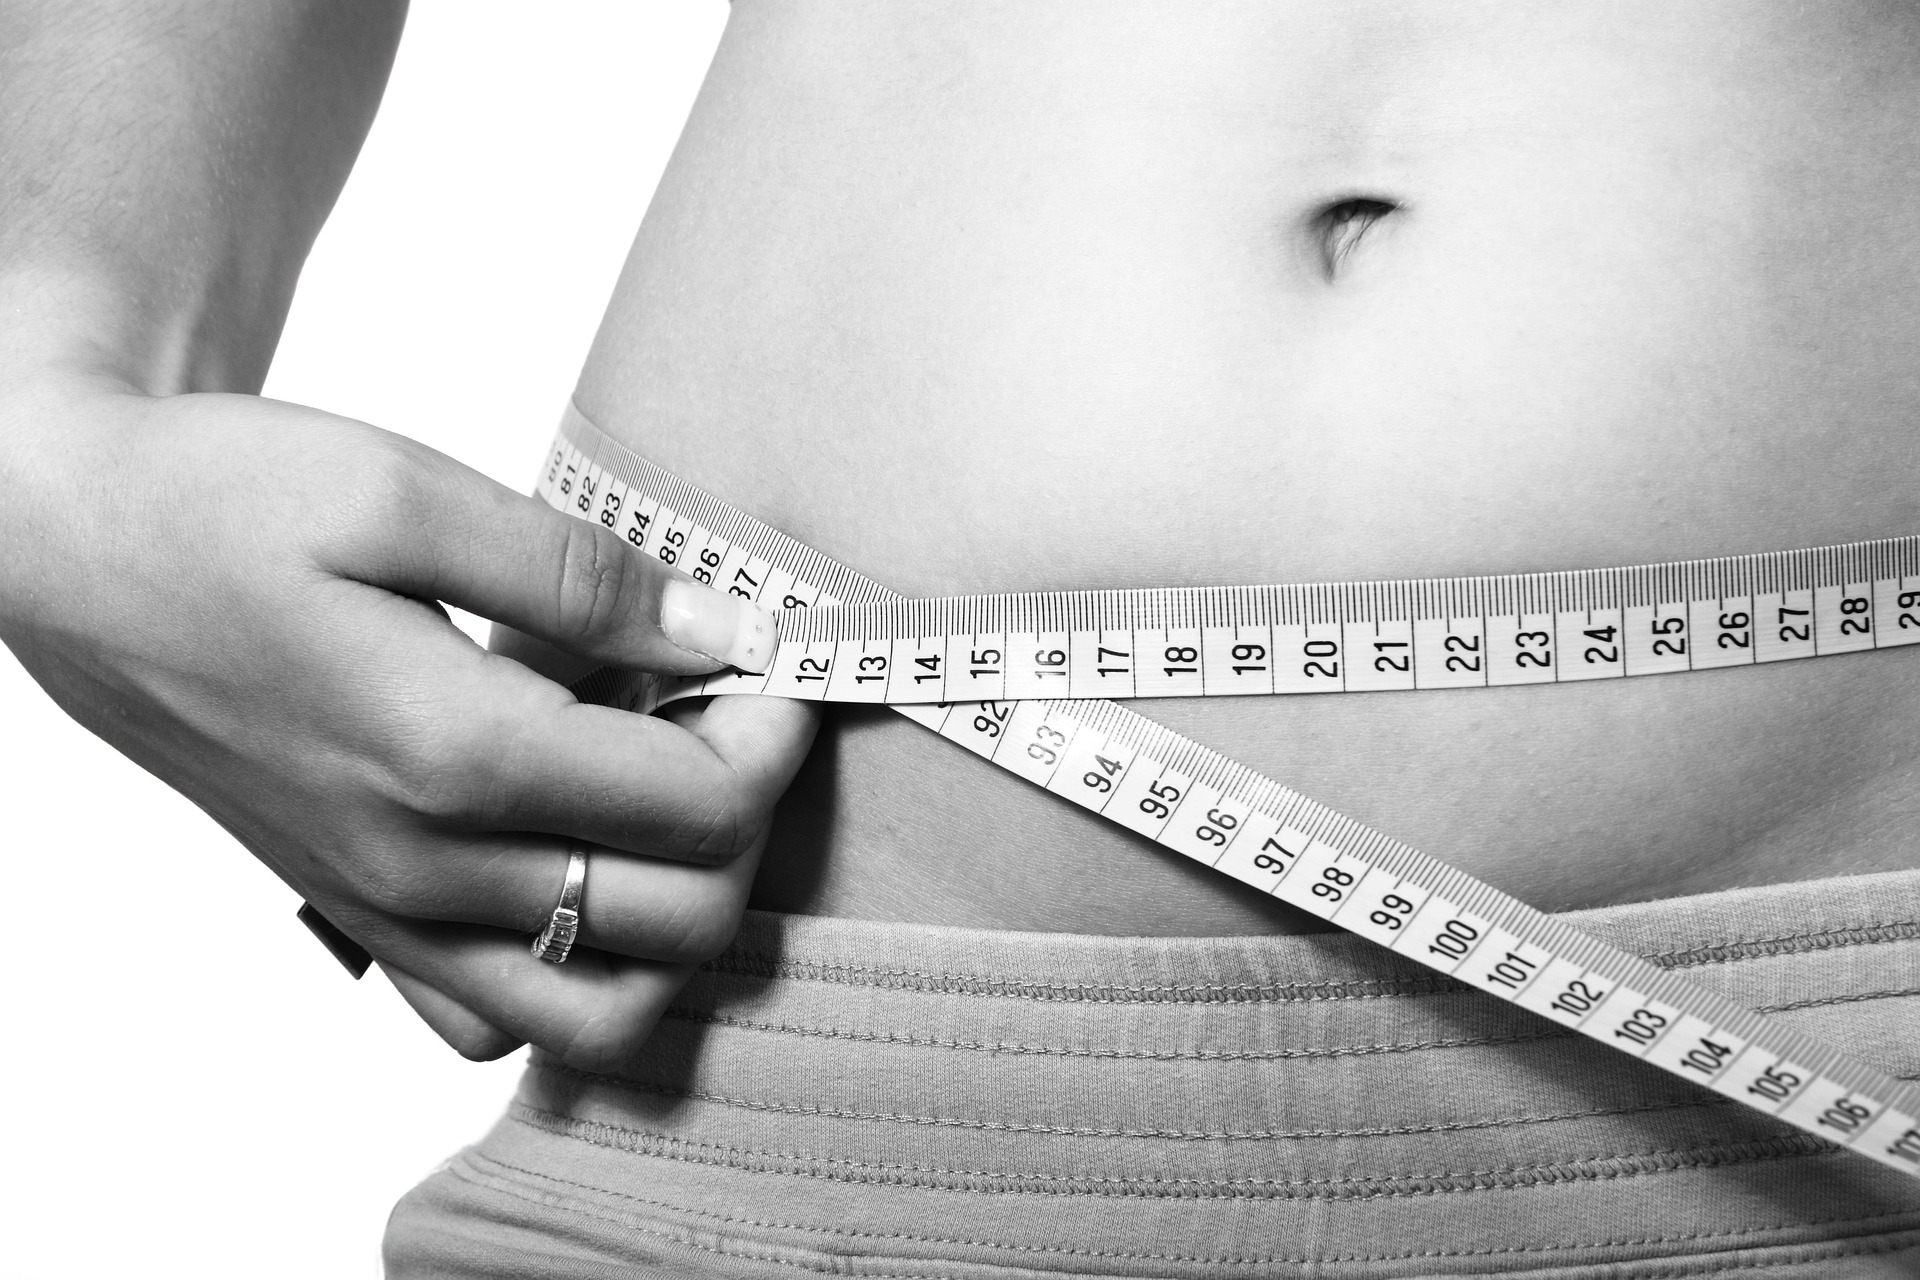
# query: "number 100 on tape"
1027 683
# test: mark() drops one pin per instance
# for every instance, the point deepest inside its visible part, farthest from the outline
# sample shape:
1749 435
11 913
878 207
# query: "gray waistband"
1762 945
1802 951
884 1079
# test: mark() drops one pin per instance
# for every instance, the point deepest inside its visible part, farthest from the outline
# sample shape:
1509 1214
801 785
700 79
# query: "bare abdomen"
984 299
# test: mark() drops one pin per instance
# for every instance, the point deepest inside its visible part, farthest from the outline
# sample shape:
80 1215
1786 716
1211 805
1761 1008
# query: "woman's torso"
996 297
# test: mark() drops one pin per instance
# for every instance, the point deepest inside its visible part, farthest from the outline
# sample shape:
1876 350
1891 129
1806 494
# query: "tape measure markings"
1358 637
1203 805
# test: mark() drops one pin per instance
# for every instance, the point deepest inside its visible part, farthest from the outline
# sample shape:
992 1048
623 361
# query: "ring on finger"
556 940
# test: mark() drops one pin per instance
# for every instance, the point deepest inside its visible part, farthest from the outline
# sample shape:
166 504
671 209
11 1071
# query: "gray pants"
907 1101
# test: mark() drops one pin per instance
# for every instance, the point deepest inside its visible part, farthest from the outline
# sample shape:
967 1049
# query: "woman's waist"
1568 797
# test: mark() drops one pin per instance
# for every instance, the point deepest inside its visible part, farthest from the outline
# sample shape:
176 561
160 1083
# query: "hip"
908 1100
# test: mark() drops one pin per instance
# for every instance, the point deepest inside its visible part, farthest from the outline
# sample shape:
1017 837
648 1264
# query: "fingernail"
722 627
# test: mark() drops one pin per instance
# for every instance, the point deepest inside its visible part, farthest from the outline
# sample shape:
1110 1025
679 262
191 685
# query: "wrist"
51 424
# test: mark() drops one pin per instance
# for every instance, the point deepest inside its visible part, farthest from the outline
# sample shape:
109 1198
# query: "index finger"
457 536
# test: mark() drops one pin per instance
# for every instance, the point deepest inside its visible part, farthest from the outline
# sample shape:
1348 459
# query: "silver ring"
556 940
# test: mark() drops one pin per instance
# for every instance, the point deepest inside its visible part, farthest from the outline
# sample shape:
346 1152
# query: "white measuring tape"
1020 681
1357 637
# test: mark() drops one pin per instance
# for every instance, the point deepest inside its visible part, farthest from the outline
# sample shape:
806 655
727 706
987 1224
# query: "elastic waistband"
1307 1099
1718 938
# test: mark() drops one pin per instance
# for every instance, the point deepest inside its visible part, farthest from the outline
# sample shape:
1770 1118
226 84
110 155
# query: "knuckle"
723 826
714 843
390 884
440 781
596 583
440 767
389 487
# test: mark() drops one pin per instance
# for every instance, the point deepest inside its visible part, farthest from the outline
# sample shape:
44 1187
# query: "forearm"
164 168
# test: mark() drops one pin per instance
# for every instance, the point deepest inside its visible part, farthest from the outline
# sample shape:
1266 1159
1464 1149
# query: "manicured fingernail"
722 627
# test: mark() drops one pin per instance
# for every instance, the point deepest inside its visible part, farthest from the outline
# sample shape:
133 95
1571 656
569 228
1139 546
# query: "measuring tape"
846 638
1357 637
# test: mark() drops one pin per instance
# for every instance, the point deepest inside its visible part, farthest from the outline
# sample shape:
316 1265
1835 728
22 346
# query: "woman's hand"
240 595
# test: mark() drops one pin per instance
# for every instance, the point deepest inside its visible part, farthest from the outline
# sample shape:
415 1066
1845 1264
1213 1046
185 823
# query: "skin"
1039 296
1048 297
166 166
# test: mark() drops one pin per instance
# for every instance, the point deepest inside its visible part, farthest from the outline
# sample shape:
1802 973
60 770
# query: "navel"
1337 229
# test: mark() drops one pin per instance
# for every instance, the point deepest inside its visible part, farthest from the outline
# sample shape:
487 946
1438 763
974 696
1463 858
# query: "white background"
192 1085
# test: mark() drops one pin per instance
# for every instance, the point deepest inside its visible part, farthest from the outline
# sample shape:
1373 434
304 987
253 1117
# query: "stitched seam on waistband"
681 1014
1731 949
758 965
1595 1168
1073 1131
1681 1268
1223 1260
549 1199
763 965
1547 1032
1853 997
